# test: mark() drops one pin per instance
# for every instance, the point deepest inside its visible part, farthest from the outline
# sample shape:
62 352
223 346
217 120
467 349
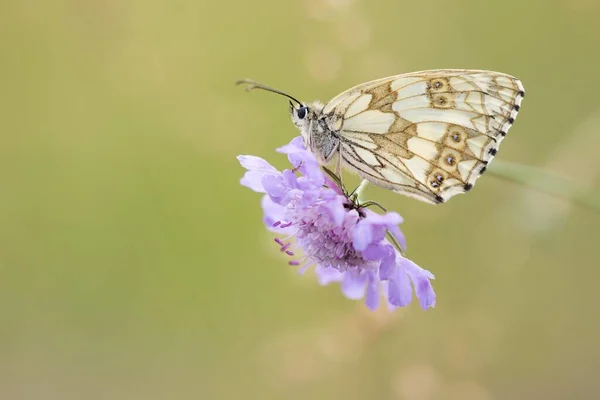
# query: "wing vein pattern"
427 134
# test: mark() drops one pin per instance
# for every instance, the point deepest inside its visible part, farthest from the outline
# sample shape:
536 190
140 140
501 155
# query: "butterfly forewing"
426 134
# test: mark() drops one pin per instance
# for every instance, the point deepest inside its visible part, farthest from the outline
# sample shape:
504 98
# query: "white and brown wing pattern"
428 134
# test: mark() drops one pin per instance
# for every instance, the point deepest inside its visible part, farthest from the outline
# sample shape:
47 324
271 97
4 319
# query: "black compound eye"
302 112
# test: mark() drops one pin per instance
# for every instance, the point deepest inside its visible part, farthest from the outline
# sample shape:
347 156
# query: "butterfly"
428 135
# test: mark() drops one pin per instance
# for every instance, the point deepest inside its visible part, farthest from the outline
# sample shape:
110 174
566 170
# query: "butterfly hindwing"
427 134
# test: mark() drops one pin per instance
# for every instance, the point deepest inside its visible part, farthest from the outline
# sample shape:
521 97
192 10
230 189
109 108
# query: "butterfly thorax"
318 130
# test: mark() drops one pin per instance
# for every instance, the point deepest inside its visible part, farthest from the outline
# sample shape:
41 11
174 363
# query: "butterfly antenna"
256 85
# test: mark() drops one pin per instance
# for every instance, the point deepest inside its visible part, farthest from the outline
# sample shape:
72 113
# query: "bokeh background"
134 266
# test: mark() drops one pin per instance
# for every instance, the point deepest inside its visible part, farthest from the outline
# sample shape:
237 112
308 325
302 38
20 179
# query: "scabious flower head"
345 242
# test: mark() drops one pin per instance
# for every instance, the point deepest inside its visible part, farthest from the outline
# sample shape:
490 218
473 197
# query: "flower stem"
395 243
547 183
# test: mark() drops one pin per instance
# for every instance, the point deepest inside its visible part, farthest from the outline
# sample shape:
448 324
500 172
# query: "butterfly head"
299 113
303 115
315 129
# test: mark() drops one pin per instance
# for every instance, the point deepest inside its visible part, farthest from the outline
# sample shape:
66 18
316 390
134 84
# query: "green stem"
546 182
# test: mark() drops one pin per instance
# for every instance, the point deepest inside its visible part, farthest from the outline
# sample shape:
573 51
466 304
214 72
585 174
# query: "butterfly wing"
428 134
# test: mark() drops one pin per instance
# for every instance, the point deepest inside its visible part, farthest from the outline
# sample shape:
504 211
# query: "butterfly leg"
359 189
338 168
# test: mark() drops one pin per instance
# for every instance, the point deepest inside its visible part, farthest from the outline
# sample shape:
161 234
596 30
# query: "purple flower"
345 241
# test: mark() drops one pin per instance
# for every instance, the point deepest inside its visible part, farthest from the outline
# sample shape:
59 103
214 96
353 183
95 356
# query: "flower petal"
334 208
274 217
362 235
253 163
303 160
295 145
380 223
388 263
275 186
327 275
375 252
253 180
290 178
373 293
420 279
257 170
399 289
353 284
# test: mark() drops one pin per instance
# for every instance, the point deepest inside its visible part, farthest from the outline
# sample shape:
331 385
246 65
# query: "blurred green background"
134 266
